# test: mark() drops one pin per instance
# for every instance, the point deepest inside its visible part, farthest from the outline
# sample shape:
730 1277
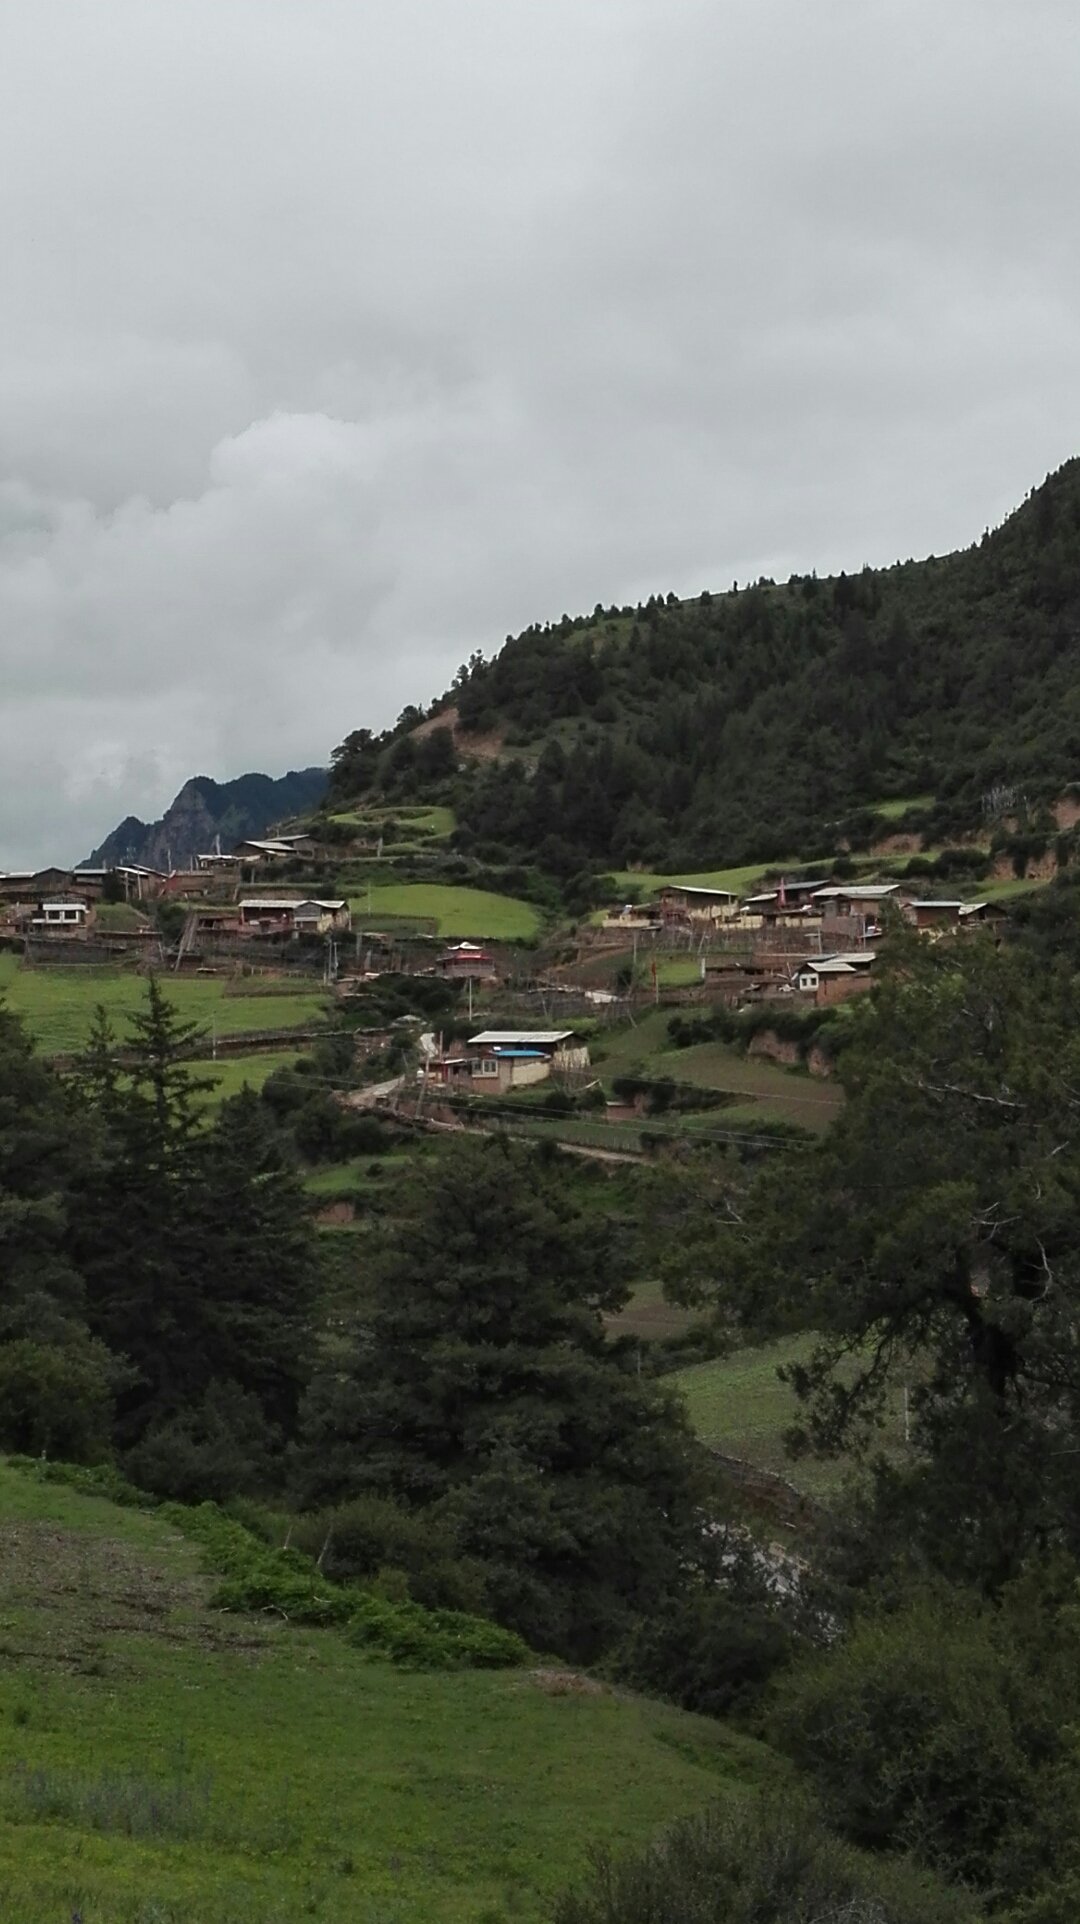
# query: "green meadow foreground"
166 1764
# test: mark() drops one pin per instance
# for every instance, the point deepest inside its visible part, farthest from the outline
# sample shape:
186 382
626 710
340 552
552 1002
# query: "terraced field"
455 911
57 1004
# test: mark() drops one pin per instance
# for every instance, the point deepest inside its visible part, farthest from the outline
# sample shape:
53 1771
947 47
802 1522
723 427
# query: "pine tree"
483 1387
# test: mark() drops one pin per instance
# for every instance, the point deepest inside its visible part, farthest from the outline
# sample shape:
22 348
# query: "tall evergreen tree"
483 1387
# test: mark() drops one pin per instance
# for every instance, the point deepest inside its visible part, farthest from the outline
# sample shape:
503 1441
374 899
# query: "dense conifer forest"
766 721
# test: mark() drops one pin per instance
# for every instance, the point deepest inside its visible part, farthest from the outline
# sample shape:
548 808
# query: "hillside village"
500 1220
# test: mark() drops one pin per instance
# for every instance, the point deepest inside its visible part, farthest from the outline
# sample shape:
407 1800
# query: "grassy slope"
774 1093
57 1003
234 1073
270 1774
738 879
457 911
738 1405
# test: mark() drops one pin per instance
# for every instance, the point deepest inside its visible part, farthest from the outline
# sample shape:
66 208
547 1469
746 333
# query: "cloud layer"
338 341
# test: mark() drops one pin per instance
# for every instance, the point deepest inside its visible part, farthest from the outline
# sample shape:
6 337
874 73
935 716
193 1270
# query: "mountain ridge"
204 809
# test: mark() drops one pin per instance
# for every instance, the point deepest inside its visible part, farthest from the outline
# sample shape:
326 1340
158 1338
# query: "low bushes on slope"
770 1866
257 1577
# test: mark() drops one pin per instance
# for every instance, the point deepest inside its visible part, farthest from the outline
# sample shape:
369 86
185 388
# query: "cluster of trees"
156 1272
461 1420
769 715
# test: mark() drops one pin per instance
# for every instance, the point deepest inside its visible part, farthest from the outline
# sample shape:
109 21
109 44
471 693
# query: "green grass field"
57 1004
892 811
456 911
737 879
166 1765
433 821
233 1073
1005 891
737 1404
773 1093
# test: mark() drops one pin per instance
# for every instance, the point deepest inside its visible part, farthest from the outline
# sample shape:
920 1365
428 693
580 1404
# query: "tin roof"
510 1038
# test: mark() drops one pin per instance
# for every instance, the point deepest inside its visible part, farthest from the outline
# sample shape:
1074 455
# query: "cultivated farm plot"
57 1003
458 912
162 1761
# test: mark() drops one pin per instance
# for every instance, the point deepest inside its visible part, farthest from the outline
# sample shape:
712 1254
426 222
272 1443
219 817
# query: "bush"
363 1537
57 1398
290 1584
221 1447
924 1731
774 1864
707 1652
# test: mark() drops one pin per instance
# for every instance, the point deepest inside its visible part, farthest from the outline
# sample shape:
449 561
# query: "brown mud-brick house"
267 914
950 918
933 918
686 905
856 907
322 917
834 978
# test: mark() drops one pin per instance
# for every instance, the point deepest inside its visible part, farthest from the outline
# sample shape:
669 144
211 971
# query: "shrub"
706 1652
57 1397
774 1864
367 1535
923 1731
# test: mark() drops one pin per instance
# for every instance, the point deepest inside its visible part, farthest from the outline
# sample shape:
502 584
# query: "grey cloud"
339 340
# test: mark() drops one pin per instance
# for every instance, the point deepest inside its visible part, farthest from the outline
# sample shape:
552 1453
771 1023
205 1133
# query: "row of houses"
854 909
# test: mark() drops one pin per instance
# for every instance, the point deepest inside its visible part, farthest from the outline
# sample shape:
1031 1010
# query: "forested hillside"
763 721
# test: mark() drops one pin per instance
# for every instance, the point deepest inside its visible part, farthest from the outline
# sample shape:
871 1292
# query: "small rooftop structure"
856 891
520 1038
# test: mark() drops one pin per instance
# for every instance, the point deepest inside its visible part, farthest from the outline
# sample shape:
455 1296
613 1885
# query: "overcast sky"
342 337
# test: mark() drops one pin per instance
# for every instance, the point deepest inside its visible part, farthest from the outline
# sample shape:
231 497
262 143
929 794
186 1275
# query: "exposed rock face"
204 809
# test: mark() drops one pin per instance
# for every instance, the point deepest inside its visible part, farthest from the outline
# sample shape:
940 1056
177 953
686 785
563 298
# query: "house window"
486 1066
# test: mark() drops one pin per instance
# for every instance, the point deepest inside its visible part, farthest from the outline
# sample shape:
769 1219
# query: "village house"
274 848
65 916
635 917
778 908
213 862
980 915
686 904
852 901
268 914
30 887
949 917
833 978
933 918
498 1060
467 962
322 918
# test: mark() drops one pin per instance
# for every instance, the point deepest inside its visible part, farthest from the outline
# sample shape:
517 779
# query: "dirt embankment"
472 747
779 1049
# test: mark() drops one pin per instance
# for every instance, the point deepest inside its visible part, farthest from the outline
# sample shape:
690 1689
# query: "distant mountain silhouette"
205 809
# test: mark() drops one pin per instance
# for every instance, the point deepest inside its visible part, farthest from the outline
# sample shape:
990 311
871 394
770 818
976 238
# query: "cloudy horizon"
339 341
